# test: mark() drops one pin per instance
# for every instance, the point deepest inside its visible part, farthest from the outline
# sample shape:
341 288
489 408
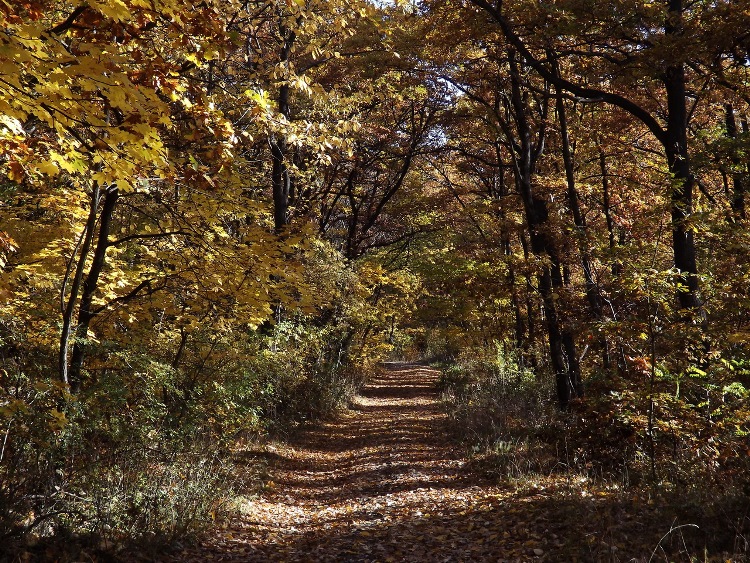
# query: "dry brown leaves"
384 483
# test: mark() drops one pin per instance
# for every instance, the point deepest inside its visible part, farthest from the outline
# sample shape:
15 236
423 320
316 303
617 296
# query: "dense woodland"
218 217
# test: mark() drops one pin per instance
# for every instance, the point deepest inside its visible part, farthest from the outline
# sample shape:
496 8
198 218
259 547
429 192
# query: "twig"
671 529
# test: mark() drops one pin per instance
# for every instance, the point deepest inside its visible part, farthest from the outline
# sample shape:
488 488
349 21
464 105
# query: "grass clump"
499 409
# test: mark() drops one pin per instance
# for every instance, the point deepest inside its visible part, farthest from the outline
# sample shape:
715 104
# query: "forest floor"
384 482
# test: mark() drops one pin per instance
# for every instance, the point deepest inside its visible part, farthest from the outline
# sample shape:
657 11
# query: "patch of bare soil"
384 483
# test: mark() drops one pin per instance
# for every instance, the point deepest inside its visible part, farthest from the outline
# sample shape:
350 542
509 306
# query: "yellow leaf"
124 185
48 167
114 9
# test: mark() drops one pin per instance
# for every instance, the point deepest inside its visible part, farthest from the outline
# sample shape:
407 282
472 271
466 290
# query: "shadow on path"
384 483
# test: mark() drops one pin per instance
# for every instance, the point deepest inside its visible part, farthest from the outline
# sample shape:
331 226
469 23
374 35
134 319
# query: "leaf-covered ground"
385 483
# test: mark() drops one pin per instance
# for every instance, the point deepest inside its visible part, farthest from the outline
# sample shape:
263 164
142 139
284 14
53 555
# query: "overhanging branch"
583 92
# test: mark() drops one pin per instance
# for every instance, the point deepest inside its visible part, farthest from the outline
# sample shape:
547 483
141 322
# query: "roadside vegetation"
218 218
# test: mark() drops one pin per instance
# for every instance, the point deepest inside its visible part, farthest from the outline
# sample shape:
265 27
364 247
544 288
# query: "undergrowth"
499 410
151 454
686 466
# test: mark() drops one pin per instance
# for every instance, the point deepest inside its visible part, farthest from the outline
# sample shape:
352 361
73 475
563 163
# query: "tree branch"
69 21
127 297
128 238
583 91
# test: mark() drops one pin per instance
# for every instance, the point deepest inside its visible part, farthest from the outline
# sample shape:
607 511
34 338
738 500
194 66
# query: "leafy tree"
652 42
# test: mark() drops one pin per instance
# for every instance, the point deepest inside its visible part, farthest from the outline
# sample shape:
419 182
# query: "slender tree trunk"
737 198
616 265
351 246
570 359
561 344
530 316
499 194
280 183
180 348
564 386
592 290
85 314
678 161
592 293
520 331
280 177
75 287
607 209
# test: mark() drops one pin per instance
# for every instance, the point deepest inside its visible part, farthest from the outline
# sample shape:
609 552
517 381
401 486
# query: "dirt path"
384 483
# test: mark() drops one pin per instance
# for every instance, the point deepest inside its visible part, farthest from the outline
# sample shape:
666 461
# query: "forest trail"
384 482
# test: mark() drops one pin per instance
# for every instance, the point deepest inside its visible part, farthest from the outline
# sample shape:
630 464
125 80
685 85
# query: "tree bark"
616 266
281 182
607 208
592 293
563 355
592 290
500 193
85 313
737 198
75 288
683 182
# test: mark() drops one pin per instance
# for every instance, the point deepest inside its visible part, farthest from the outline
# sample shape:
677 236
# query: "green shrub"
500 410
493 398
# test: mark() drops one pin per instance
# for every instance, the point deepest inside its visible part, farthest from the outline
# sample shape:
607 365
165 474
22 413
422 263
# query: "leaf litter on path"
383 482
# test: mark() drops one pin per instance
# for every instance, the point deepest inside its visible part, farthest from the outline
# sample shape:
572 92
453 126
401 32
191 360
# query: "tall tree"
640 47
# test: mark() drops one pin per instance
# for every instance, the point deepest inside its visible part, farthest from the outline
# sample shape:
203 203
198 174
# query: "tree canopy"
217 215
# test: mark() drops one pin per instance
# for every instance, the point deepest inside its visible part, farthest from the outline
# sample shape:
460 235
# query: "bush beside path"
383 482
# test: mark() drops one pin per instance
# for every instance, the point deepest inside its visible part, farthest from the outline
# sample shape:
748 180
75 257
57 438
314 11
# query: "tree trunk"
85 314
616 265
678 161
531 322
564 386
607 210
561 343
280 178
737 198
280 183
499 195
75 288
592 291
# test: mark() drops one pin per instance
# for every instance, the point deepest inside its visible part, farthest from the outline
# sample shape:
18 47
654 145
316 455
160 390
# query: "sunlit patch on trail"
383 482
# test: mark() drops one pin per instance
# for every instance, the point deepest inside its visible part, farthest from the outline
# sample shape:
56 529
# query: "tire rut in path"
380 483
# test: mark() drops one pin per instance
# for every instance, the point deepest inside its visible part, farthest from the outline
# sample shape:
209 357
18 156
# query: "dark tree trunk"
350 248
530 316
180 348
505 243
85 313
75 287
607 210
616 265
678 161
737 198
561 343
592 290
520 329
564 386
281 182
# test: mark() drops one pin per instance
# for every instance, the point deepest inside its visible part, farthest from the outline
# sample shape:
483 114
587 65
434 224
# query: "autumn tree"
662 42
99 91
